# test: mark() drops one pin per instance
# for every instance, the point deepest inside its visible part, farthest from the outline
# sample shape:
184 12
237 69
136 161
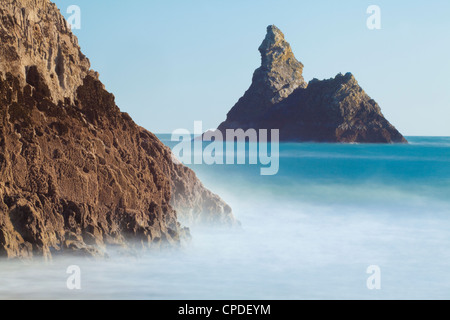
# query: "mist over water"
310 232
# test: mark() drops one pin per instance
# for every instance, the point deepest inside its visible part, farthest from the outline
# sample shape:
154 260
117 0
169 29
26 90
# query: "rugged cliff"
335 110
76 173
279 75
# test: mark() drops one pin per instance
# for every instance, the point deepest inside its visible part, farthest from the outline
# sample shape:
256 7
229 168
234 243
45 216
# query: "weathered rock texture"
279 75
34 33
195 203
77 174
335 110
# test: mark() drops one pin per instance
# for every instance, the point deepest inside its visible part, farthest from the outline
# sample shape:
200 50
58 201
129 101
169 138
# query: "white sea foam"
309 233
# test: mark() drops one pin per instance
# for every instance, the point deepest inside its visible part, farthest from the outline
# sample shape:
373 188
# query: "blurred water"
309 232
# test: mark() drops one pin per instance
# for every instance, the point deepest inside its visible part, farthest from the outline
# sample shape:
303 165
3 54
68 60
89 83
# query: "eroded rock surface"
279 75
334 110
77 174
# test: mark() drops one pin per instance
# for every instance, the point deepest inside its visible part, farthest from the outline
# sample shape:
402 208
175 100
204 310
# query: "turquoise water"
412 178
309 232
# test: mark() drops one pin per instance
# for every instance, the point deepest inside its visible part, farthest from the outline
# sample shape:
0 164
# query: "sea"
337 221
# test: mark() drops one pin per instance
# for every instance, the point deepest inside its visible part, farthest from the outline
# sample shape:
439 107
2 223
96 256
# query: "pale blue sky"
172 62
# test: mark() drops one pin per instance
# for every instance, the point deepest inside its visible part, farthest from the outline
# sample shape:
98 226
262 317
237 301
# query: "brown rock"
197 204
279 75
35 34
334 110
76 173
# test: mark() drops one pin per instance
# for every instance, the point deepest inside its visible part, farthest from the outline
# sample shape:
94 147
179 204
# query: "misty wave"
309 232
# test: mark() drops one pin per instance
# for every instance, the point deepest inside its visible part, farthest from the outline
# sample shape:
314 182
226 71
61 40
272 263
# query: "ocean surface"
309 232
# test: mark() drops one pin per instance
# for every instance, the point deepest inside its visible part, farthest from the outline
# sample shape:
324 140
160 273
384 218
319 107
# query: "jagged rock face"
335 110
76 173
197 204
279 75
34 33
66 174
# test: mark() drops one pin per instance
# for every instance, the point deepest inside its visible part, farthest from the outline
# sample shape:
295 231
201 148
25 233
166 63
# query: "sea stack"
335 110
76 173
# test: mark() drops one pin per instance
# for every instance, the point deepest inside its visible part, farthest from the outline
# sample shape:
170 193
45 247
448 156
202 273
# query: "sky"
170 63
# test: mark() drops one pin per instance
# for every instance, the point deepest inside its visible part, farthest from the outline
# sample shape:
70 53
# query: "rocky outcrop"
334 110
279 75
34 33
196 204
77 174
